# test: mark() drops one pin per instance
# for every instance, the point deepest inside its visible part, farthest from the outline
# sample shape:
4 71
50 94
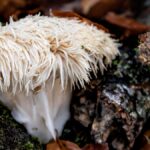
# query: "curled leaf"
69 14
130 26
98 8
62 145
96 147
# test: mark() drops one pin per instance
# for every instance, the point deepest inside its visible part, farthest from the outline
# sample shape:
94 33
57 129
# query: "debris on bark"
114 108
144 48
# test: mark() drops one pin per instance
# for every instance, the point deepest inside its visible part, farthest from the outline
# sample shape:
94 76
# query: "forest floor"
122 92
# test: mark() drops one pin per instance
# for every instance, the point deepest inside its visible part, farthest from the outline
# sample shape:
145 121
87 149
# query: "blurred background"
124 16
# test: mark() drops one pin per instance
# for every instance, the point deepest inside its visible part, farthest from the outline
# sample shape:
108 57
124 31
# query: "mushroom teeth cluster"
41 59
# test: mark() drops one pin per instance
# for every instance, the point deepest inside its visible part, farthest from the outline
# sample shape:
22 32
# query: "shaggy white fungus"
41 59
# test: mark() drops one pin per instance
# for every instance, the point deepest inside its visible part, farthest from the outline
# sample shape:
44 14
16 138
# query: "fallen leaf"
146 147
96 147
62 145
16 15
130 26
147 136
98 8
69 14
10 7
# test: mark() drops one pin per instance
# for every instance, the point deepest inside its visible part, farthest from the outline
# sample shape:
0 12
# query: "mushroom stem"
43 114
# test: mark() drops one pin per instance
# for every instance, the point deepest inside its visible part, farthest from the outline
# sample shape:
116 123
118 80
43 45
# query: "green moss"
13 135
127 68
28 146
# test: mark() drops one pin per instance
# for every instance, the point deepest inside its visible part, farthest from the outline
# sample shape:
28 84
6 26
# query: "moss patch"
13 135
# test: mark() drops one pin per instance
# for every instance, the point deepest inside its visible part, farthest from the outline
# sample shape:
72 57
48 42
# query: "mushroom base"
43 114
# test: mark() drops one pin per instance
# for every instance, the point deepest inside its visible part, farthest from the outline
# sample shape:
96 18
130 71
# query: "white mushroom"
41 60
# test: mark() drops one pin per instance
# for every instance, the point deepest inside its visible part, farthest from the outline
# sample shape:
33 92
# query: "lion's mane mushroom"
41 59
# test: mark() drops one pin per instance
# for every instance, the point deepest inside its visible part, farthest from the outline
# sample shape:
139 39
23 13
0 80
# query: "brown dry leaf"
146 147
62 145
98 8
147 136
16 14
69 14
131 26
10 7
144 142
96 147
